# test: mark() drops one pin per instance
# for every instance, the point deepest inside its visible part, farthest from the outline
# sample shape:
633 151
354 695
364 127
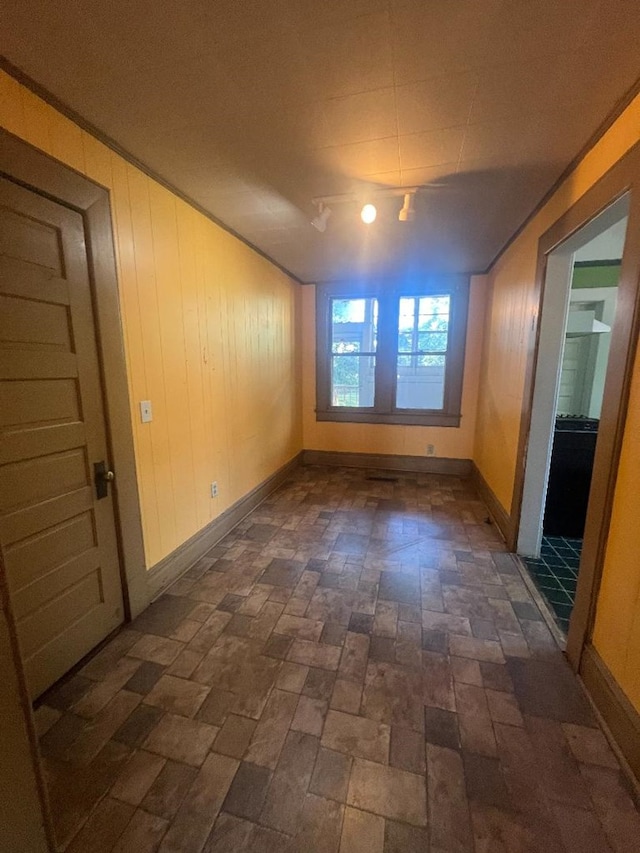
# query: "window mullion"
386 359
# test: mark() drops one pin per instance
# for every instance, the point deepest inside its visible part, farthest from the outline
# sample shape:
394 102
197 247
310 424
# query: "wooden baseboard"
175 564
389 462
501 517
619 715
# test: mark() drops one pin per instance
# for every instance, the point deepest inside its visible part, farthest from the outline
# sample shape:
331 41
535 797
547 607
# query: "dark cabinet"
574 446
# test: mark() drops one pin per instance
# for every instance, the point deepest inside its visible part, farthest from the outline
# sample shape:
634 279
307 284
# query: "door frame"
622 178
553 317
552 314
25 165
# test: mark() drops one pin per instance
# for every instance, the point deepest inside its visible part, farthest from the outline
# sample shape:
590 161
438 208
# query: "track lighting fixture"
319 222
368 211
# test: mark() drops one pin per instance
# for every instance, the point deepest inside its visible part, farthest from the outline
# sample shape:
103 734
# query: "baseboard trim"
620 717
497 511
175 564
389 462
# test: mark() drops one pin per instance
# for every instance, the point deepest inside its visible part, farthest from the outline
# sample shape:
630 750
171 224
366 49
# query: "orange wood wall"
210 337
617 629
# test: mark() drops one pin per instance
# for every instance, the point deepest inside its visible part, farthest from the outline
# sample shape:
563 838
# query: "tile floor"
356 668
555 574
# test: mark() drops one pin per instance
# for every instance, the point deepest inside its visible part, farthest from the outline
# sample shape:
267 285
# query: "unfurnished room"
320 426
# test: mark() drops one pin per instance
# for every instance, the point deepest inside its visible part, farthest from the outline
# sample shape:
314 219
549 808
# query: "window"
391 355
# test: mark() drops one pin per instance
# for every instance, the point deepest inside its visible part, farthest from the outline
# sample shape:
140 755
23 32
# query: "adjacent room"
319 426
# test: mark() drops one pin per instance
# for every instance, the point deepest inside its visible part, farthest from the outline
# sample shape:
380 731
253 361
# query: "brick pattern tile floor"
358 666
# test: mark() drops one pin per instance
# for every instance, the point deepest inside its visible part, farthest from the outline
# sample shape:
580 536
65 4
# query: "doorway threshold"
548 614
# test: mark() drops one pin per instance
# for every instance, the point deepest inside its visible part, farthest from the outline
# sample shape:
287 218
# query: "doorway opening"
576 328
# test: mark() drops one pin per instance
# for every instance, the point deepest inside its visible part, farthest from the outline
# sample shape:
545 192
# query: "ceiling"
607 246
253 107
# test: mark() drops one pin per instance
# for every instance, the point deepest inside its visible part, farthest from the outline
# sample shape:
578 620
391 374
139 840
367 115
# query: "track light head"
319 222
407 212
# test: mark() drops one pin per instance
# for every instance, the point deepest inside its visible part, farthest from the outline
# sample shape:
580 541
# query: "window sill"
440 419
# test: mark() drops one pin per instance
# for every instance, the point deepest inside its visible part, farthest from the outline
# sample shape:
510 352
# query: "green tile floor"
555 574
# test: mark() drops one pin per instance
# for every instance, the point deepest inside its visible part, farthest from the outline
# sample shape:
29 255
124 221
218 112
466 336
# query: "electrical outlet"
431 450
214 490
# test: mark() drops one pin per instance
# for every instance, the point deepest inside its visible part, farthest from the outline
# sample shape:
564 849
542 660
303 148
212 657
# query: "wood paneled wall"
210 337
617 630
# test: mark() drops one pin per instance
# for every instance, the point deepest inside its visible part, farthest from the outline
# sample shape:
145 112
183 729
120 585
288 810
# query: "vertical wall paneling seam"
140 355
132 325
183 301
198 290
159 248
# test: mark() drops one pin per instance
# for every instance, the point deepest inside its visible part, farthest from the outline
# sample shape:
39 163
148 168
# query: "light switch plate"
146 412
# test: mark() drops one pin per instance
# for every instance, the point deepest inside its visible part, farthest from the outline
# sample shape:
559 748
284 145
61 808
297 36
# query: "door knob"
102 477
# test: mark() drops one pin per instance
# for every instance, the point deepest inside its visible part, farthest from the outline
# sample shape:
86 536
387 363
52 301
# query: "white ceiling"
253 107
607 246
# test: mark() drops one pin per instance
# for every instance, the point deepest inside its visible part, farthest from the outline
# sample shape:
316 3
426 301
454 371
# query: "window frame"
384 410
